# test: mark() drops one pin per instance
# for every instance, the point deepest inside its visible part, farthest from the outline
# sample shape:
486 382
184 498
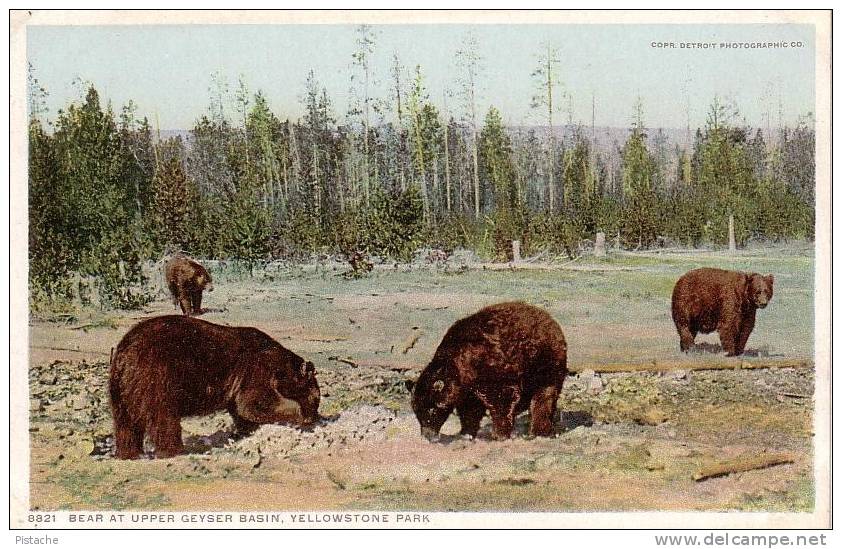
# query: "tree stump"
732 241
599 245
515 251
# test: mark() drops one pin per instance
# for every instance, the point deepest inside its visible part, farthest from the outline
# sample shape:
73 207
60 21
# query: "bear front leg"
186 306
471 410
174 294
501 403
128 439
167 438
542 410
745 331
196 301
687 338
242 426
729 331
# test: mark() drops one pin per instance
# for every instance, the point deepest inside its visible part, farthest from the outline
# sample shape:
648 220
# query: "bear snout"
209 287
308 423
288 410
430 434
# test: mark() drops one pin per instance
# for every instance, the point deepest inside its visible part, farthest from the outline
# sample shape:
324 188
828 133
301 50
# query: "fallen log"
347 361
794 395
667 366
411 341
393 366
616 368
742 464
92 352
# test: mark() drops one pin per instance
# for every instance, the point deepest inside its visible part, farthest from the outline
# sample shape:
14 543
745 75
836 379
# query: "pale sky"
166 69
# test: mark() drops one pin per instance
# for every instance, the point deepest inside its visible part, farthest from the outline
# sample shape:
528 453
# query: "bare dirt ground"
625 441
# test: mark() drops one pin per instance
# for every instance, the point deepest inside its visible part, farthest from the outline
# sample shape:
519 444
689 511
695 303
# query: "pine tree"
548 87
725 176
138 157
578 177
51 256
366 41
96 217
173 197
425 138
468 60
498 170
639 196
266 144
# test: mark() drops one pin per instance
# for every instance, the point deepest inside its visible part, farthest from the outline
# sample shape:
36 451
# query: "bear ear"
307 368
438 385
770 279
753 278
409 384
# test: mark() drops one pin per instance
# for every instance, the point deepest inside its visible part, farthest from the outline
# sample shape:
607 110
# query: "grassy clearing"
648 432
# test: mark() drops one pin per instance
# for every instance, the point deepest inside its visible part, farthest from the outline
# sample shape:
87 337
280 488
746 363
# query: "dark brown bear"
504 359
170 367
186 280
708 300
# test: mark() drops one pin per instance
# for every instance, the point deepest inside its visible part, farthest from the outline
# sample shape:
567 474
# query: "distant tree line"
398 173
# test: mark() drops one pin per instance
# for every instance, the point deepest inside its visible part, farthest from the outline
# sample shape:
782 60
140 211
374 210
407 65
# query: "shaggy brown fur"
170 367
504 359
708 300
186 280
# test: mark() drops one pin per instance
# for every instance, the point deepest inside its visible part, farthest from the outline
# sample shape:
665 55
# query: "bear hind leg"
167 437
128 439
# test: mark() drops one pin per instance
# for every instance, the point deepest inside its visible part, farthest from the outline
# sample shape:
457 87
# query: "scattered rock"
362 423
591 381
515 481
651 416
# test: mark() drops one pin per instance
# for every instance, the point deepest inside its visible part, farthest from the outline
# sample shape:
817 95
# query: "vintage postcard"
506 269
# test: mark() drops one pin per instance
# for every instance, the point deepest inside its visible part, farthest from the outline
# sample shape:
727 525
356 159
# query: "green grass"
617 309
800 497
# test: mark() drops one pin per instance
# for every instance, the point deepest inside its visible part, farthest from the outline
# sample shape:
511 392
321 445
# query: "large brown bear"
504 359
186 280
707 300
169 367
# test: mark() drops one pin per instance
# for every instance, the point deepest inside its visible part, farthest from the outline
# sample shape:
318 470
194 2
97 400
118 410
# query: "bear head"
759 289
433 396
280 387
204 281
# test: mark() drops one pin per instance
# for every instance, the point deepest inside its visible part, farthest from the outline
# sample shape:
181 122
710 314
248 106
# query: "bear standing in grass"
504 359
170 367
186 280
708 300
